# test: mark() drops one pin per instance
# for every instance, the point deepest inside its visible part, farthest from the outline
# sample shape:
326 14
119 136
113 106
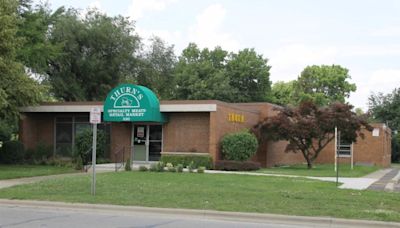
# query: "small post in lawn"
337 155
95 118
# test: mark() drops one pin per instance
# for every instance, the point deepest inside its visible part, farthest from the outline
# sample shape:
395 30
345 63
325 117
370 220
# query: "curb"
206 214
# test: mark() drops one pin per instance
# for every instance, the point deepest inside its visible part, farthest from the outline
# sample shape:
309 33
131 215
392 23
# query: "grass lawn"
18 171
322 170
281 195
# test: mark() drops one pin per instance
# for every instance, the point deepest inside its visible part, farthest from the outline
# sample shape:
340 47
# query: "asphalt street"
21 216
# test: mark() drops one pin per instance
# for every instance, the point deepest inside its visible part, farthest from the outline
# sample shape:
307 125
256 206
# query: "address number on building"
237 118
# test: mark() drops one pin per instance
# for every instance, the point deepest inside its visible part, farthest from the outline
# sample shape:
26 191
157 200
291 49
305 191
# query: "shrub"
6 131
154 167
185 160
78 164
190 167
179 168
160 166
239 146
12 152
237 165
83 145
128 165
143 168
201 169
43 151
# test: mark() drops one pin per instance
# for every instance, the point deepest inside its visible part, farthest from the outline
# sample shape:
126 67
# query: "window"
68 127
155 142
344 148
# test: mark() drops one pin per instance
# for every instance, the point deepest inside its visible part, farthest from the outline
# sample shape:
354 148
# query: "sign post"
95 118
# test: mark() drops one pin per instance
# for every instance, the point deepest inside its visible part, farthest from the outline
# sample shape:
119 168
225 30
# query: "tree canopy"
16 88
282 92
201 74
98 52
324 84
309 128
217 74
385 108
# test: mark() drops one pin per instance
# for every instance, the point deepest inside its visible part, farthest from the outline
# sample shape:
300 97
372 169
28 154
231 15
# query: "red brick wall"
35 128
120 139
220 125
187 132
370 150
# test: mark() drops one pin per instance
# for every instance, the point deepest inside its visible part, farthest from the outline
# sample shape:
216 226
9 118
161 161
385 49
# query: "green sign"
132 103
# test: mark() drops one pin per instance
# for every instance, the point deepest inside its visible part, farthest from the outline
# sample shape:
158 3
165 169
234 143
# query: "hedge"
237 165
12 152
239 146
186 160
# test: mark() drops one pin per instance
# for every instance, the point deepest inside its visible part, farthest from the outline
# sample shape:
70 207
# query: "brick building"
179 127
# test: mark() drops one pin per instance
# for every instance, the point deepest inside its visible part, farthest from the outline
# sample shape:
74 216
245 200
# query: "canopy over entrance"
132 103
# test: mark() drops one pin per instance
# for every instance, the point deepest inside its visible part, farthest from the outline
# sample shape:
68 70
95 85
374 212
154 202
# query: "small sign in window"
375 132
140 132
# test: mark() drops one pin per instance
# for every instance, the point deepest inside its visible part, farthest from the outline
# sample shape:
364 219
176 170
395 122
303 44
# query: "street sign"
95 115
95 118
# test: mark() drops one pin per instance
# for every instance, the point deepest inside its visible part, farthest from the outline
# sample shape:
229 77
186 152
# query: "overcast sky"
361 35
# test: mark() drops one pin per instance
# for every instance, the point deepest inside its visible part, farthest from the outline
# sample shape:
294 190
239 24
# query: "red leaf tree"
309 128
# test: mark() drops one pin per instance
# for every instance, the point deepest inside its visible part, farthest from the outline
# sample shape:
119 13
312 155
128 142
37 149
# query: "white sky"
361 35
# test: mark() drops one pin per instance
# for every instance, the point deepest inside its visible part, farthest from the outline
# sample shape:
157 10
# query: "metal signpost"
95 118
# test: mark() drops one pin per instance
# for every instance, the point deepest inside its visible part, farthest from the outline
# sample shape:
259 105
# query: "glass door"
140 142
155 142
147 142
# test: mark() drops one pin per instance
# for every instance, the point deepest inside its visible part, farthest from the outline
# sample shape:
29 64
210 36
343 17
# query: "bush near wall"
239 146
12 152
237 165
186 160
83 145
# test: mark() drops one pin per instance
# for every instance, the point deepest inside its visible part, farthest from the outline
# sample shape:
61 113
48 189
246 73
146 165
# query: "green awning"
132 103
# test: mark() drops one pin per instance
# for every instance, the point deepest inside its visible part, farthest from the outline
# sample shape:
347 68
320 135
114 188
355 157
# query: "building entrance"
147 142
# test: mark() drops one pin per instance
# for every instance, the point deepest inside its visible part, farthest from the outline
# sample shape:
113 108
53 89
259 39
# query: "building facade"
177 127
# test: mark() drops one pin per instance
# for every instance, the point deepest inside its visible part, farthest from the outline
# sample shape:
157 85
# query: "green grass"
321 170
18 171
281 195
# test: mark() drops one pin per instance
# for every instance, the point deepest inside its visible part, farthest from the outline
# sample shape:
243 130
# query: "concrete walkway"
388 182
357 183
28 180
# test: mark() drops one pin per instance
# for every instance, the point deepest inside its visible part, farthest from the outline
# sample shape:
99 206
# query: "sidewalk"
357 183
28 180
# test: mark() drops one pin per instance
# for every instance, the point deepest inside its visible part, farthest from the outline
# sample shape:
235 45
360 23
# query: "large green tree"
248 74
217 74
98 52
156 68
323 84
201 74
36 50
385 108
16 88
282 92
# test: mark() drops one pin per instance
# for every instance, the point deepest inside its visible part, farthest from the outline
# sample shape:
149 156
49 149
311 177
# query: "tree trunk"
309 162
